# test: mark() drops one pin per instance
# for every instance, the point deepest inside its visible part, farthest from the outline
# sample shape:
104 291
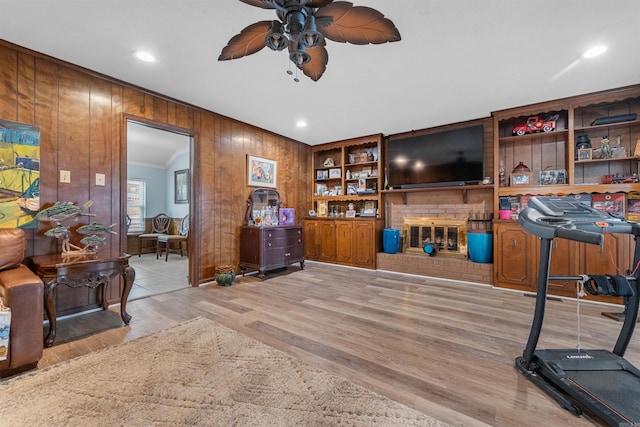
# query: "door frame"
194 259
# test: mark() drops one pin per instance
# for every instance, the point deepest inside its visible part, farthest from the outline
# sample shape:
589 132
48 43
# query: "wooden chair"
159 227
164 241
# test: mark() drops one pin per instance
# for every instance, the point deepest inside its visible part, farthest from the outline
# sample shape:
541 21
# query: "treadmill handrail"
580 235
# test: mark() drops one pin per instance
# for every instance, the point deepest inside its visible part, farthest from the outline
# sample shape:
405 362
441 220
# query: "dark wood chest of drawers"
268 248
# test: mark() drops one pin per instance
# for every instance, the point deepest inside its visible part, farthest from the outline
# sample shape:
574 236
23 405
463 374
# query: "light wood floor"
444 348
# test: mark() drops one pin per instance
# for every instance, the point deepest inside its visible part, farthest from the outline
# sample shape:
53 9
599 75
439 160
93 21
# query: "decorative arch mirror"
263 207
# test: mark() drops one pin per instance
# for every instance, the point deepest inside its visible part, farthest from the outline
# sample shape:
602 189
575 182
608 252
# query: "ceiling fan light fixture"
304 26
276 39
300 55
310 37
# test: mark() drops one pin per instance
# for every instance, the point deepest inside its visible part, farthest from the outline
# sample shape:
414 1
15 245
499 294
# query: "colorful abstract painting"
19 174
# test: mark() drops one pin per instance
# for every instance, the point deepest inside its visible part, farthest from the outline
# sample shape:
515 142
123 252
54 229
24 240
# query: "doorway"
157 181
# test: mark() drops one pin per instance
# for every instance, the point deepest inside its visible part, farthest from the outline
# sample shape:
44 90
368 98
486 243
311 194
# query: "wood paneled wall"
81 115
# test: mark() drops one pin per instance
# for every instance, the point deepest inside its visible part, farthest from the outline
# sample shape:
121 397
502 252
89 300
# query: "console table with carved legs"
89 270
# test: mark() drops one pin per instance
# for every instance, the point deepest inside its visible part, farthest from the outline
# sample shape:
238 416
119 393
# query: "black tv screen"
452 157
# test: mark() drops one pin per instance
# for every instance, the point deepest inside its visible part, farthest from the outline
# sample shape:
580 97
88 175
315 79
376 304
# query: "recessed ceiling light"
594 51
145 56
301 124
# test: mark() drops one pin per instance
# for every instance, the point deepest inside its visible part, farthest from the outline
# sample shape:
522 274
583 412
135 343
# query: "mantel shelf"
403 191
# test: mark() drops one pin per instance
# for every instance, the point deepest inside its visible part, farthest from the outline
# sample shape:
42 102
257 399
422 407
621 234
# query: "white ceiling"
152 147
457 60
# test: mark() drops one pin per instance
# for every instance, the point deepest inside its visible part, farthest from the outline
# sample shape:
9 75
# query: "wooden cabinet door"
327 241
312 239
363 242
515 257
565 260
344 242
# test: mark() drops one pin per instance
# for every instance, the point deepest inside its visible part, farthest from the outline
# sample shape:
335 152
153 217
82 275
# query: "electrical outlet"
65 177
100 180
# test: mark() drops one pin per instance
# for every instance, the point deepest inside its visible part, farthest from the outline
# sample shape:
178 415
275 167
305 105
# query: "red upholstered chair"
23 292
159 226
165 241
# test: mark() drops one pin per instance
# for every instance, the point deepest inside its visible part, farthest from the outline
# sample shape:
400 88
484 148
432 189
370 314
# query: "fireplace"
449 235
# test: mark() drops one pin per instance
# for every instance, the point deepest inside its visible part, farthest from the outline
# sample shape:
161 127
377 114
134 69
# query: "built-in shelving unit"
348 172
556 165
561 162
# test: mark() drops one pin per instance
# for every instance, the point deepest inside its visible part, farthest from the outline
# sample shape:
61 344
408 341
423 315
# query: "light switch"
65 177
100 179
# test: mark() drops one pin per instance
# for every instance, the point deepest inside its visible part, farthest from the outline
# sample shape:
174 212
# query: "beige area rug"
196 373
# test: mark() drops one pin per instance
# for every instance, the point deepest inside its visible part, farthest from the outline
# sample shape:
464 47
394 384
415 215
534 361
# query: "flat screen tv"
447 158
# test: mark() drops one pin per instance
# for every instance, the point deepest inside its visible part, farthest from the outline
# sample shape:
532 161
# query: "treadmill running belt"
616 390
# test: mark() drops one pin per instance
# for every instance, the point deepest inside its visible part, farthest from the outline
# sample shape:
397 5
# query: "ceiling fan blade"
356 24
318 3
249 41
264 4
318 64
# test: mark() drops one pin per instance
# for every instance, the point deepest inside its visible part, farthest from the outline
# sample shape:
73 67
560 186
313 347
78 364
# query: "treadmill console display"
566 217
562 206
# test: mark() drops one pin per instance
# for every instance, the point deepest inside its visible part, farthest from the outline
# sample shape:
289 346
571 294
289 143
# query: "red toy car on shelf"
536 124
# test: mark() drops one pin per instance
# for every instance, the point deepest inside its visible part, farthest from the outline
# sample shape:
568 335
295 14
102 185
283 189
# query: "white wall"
160 187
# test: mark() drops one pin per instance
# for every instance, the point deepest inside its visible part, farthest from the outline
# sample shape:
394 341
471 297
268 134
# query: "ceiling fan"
303 26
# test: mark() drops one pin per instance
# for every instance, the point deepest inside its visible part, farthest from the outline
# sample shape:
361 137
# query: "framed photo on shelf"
521 178
584 154
352 188
261 172
321 189
553 177
335 173
323 208
322 174
370 208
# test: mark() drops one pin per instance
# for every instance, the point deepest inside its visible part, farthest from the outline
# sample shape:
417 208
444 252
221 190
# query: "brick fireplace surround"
446 267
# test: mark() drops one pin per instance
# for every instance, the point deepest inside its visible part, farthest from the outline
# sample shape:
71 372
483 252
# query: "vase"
225 275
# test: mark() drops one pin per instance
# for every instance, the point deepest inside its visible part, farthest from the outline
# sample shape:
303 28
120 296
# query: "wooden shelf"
613 159
567 189
529 136
608 126
403 191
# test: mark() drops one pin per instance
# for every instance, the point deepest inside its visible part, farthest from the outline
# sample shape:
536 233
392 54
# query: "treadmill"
598 382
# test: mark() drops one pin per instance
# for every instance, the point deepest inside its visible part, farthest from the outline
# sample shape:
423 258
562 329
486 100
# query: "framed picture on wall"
181 186
261 172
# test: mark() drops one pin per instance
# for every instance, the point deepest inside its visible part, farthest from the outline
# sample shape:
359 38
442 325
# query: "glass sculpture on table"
61 212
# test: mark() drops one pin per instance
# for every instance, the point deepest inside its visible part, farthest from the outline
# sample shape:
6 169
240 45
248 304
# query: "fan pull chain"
579 294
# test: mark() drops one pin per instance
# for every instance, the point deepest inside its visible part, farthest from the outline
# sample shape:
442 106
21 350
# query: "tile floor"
155 276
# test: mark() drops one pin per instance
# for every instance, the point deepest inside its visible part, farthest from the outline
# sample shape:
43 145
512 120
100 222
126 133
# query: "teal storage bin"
480 243
390 240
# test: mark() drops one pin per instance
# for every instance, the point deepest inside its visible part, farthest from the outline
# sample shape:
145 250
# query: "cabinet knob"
513 242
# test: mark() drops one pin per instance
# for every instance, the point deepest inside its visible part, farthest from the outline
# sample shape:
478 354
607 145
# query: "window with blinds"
136 205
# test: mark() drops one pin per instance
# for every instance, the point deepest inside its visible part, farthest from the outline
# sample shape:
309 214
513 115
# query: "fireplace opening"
449 235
